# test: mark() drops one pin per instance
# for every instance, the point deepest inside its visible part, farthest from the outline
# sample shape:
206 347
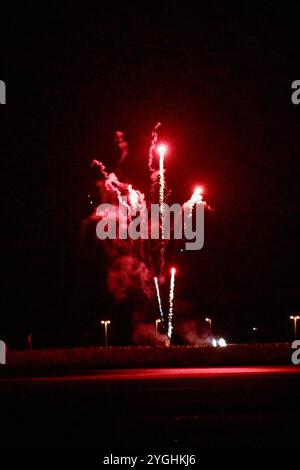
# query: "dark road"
212 408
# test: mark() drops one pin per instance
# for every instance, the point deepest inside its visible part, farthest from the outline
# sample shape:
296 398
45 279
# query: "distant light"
222 343
214 343
254 328
173 271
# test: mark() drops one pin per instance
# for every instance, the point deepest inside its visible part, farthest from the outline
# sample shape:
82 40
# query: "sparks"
162 149
196 198
158 298
171 300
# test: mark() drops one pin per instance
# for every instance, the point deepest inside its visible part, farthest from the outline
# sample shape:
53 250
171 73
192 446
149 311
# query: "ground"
150 409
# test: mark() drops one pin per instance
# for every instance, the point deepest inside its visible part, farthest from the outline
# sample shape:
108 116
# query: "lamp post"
105 323
156 324
295 318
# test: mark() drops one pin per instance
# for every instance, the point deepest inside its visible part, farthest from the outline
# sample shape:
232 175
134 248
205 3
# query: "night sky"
219 79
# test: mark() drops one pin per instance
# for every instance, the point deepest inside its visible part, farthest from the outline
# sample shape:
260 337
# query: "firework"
158 298
136 262
162 151
196 198
171 300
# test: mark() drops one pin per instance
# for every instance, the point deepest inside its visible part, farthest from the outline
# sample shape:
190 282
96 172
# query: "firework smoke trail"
152 147
171 300
101 166
112 183
122 144
128 270
158 298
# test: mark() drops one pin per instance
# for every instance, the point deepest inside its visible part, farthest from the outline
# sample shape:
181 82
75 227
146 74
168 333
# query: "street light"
295 318
156 324
105 323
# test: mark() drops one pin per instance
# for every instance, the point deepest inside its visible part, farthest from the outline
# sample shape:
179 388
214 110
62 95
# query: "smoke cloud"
145 334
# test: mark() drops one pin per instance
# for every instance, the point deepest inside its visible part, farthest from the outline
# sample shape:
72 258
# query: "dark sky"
219 79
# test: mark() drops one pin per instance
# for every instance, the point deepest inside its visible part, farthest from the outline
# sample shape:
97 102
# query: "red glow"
162 149
173 270
179 373
199 190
